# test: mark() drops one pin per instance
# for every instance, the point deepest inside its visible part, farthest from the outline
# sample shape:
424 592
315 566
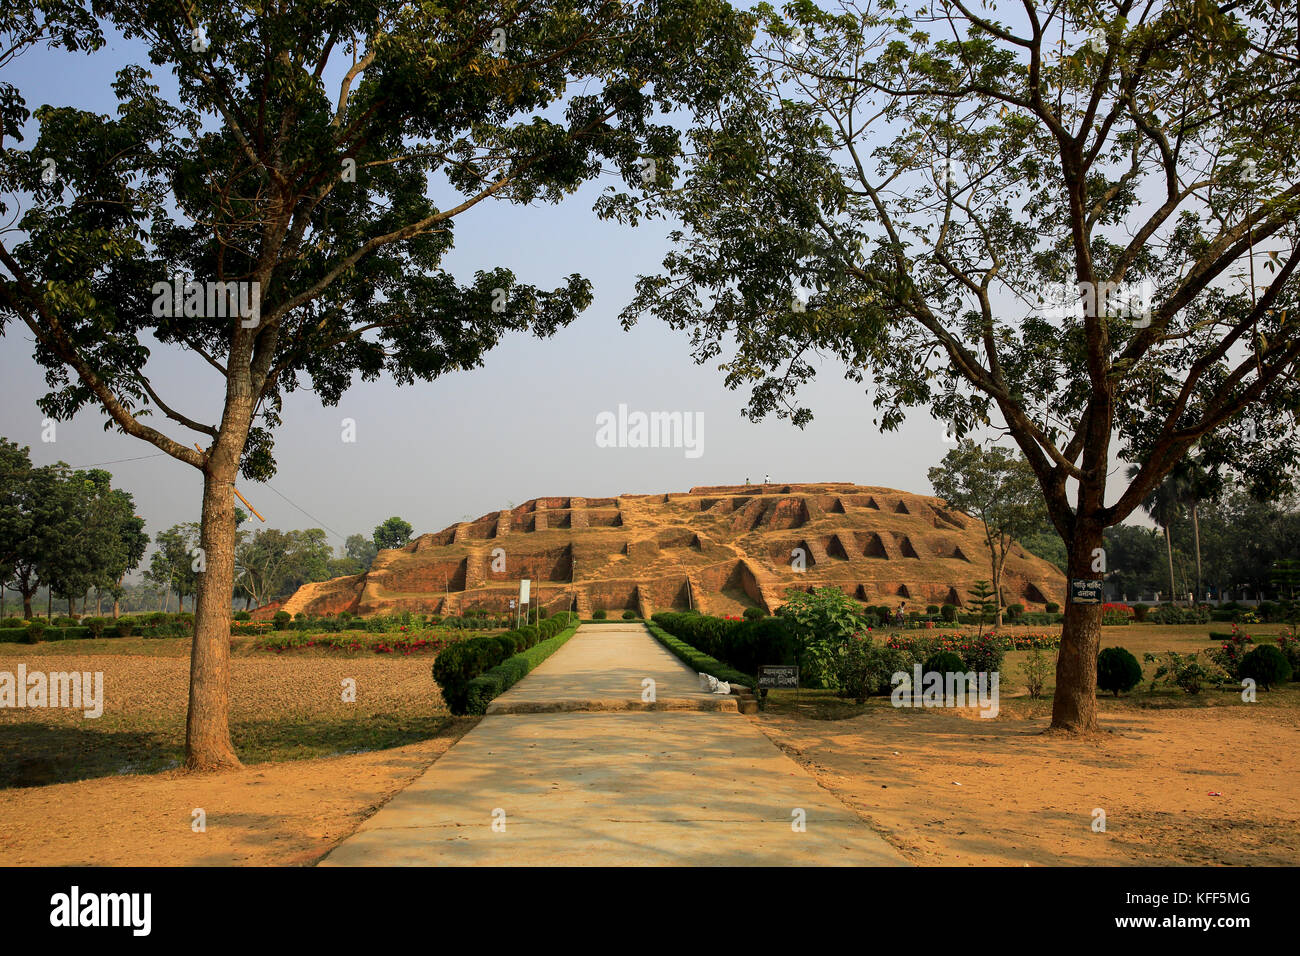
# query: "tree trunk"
27 605
998 562
1074 705
207 729
1169 547
1196 536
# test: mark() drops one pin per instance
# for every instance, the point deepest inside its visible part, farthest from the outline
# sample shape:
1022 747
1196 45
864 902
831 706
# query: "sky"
523 426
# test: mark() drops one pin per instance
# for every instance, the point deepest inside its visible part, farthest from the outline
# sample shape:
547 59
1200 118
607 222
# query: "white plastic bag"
708 683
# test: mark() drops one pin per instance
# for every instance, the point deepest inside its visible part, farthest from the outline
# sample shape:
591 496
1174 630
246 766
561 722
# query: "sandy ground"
281 814
1002 793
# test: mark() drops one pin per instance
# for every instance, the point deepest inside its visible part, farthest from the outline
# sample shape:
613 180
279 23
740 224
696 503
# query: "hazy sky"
523 426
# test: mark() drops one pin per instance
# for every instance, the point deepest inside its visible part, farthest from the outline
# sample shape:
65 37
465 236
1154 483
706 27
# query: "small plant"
982 601
598 615
1036 669
931 610
754 613
1051 607
629 615
96 625
1118 670
1266 666
1140 612
125 627
949 613
1016 611
1185 670
281 620
35 628
1290 648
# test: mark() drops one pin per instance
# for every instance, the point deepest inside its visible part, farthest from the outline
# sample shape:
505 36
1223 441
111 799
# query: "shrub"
1036 669
1290 647
983 655
948 612
754 613
931 610
35 629
1118 670
482 689
1185 670
64 621
96 626
281 620
242 616
1016 611
944 662
865 668
598 615
1051 607
698 660
1266 665
1140 612
629 615
13 622
125 627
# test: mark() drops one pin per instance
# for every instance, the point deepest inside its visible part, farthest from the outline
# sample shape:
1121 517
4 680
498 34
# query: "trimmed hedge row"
20 635
744 645
459 664
486 687
700 661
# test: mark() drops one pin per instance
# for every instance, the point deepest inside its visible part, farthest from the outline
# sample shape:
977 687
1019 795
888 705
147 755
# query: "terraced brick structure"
717 549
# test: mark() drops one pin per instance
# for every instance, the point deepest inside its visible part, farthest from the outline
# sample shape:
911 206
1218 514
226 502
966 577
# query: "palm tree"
1162 506
1194 483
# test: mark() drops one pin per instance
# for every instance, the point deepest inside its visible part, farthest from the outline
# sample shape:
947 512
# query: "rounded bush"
944 662
280 620
932 609
1016 611
1140 612
242 616
1117 670
1266 665
1052 607
754 613
125 627
96 625
598 615
948 612
629 614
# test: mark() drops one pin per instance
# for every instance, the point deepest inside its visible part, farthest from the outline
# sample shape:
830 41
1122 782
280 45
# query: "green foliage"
982 601
1051 607
629 615
458 665
944 662
1187 671
393 533
280 620
743 645
1266 665
1016 611
820 622
483 689
1118 670
599 614
949 613
1035 671
983 654
864 668
754 613
698 660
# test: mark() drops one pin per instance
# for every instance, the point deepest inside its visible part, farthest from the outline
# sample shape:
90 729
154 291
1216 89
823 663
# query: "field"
1181 778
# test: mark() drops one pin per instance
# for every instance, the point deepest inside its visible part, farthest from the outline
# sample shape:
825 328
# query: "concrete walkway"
667 787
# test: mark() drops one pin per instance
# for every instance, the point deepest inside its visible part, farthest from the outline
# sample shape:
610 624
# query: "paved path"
668 787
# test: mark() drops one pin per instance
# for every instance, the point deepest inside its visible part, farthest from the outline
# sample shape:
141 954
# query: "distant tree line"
65 533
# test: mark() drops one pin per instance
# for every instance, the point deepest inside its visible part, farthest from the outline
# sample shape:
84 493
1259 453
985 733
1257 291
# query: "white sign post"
524 584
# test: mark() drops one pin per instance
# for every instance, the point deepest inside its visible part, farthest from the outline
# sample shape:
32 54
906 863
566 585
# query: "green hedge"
697 659
485 688
18 635
743 645
463 661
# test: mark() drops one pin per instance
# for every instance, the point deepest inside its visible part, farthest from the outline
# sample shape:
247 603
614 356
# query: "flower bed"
957 643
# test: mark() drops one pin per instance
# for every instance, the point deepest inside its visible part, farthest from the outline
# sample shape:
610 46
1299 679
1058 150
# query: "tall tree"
1163 504
999 488
1082 219
301 193
393 533
360 550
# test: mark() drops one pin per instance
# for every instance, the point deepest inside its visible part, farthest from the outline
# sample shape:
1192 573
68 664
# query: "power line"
320 523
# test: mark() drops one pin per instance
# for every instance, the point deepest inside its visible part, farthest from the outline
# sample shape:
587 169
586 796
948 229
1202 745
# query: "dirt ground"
1003 793
271 814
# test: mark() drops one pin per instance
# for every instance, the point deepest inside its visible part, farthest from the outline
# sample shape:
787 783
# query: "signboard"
523 590
778 675
512 604
1086 591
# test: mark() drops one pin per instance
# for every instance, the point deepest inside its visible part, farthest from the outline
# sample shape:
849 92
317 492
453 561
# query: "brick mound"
719 549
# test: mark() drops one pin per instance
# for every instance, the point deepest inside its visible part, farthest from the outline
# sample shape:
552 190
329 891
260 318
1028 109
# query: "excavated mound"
718 549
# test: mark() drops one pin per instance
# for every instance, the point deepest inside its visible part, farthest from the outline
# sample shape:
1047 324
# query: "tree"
1163 505
393 533
283 221
1082 221
983 601
820 622
176 563
999 488
1132 558
360 550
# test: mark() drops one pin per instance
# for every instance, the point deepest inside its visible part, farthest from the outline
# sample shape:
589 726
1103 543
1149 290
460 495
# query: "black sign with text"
778 675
